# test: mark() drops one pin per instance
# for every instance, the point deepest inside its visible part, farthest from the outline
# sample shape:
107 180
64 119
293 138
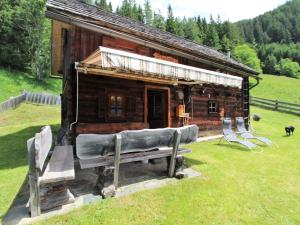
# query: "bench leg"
55 196
177 136
34 201
105 181
179 166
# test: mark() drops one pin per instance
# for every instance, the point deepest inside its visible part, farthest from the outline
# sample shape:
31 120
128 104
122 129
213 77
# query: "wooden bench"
47 177
108 151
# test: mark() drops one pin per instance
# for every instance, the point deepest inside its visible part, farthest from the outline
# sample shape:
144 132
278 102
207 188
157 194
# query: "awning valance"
111 59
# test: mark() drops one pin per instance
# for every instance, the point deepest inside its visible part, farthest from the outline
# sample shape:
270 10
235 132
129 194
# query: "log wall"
93 102
91 88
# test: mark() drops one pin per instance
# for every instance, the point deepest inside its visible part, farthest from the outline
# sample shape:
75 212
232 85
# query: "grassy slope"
16 126
278 87
237 187
13 83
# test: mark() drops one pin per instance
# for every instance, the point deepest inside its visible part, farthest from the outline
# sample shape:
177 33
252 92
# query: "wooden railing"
277 105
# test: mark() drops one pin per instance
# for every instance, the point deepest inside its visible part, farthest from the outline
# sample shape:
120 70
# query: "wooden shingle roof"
97 16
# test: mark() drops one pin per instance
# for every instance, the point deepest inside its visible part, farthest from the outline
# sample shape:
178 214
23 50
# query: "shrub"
289 68
247 55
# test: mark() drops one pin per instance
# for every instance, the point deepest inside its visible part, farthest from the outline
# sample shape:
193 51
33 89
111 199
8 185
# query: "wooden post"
177 137
276 105
34 199
117 159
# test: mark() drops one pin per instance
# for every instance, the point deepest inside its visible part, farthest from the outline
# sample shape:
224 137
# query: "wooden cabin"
119 74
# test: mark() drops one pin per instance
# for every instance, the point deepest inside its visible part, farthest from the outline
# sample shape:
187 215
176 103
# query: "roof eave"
224 64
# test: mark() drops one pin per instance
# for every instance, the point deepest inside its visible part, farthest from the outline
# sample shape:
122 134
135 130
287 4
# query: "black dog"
289 130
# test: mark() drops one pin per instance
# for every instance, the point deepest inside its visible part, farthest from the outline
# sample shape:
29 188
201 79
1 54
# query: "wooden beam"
177 136
111 32
128 76
190 82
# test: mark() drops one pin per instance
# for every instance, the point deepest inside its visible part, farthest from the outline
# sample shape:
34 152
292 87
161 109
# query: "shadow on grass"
13 147
233 147
21 197
194 162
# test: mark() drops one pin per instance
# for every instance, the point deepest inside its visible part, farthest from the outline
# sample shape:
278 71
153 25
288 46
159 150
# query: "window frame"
110 115
210 107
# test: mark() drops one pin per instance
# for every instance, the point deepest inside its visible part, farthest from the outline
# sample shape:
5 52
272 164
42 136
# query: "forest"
269 43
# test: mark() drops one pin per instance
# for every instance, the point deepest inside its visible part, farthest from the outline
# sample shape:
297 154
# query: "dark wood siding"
93 92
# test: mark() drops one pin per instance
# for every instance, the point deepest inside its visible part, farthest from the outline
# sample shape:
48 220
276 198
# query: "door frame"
168 108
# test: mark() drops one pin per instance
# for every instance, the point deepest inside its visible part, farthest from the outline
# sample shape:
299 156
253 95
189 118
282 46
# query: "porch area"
134 177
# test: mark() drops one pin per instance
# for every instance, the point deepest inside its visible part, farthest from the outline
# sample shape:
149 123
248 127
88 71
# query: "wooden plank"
117 159
108 128
272 108
130 157
60 166
287 107
43 144
275 106
177 136
33 175
275 101
126 75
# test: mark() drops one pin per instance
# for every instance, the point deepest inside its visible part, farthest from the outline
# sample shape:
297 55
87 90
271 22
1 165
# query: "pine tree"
178 27
104 5
212 36
170 22
191 30
159 21
148 13
110 8
270 65
140 14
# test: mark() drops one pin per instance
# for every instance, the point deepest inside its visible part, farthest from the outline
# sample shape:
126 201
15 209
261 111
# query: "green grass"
16 126
13 83
278 88
238 186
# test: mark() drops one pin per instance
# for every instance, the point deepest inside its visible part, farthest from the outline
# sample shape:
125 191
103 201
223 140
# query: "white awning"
116 59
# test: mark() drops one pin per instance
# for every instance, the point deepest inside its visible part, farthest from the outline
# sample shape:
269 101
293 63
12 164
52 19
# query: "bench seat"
60 166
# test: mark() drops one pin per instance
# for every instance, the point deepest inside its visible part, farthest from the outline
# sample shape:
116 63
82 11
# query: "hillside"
13 83
281 25
278 87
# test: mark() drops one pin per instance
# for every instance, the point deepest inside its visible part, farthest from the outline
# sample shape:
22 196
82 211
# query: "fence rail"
37 98
277 105
43 98
12 103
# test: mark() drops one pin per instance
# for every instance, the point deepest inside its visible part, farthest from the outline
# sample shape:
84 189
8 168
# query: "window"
212 107
115 106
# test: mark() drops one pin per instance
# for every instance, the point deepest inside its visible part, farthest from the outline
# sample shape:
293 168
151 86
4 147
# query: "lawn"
238 186
14 82
278 88
16 126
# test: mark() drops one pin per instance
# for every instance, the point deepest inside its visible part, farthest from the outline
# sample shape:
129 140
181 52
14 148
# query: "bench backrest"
43 144
94 144
143 140
89 145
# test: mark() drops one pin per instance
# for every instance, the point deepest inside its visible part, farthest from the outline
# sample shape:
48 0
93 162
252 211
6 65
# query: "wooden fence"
37 98
12 103
277 105
42 98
